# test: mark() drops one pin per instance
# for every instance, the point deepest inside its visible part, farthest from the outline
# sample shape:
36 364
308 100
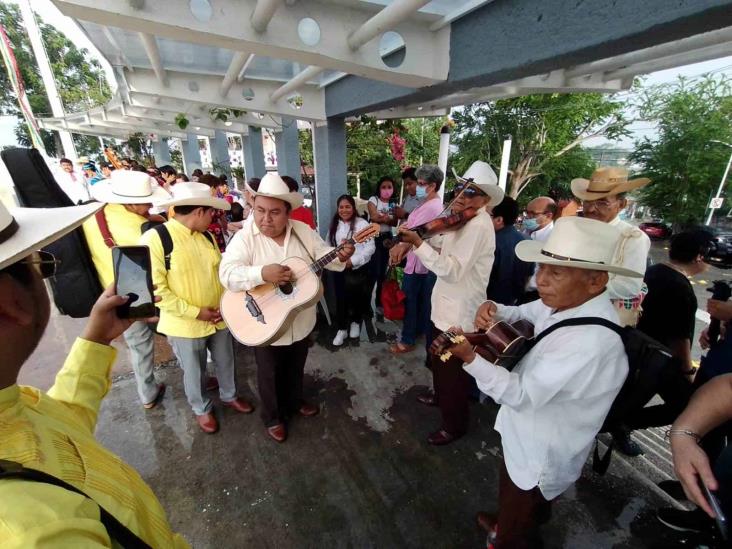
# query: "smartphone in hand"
133 278
719 514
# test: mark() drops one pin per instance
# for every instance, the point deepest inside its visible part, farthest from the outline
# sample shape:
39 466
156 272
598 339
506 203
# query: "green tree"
682 160
79 77
544 128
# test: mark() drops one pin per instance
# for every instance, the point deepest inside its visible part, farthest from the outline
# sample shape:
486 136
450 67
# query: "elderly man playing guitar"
252 259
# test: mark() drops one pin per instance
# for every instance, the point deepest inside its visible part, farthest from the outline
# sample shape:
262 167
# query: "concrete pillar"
329 151
220 152
191 154
288 149
253 153
161 152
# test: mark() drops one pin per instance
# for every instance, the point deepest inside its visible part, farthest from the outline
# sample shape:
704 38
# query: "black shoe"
686 521
673 488
626 445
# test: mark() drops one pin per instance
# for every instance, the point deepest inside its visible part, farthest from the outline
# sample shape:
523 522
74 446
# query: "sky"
51 14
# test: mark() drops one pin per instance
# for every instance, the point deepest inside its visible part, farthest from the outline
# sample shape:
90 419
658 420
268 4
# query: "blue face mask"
421 192
530 224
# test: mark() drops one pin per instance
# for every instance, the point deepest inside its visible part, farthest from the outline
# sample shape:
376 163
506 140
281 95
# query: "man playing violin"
462 260
554 402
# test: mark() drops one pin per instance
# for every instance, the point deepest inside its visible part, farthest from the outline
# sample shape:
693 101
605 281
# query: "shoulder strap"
116 530
167 243
104 229
580 321
210 238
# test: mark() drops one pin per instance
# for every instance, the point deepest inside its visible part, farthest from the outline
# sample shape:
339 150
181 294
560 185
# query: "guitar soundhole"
286 288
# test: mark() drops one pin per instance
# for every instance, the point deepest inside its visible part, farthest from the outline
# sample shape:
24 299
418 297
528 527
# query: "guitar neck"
319 264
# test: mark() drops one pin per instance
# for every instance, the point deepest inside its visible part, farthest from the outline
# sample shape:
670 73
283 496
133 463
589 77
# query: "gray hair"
431 174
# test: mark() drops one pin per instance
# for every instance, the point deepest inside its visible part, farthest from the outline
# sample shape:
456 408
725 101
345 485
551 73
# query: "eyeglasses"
602 204
530 214
43 262
468 191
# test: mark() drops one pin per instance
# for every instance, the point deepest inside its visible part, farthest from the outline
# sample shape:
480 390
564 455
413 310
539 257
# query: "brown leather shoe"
240 405
278 432
487 522
158 397
442 437
208 423
308 410
428 399
212 383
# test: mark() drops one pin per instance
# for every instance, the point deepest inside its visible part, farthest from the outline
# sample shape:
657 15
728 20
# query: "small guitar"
502 344
259 316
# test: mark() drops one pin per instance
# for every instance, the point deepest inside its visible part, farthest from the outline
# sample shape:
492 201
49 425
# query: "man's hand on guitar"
411 237
345 253
462 350
276 274
209 314
485 317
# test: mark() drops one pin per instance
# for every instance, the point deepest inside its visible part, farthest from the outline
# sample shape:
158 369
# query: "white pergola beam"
113 42
385 20
296 83
236 67
204 121
425 61
132 125
263 13
153 54
462 11
100 128
663 63
206 91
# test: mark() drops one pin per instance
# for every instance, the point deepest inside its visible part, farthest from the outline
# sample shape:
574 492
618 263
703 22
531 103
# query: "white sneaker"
355 331
339 338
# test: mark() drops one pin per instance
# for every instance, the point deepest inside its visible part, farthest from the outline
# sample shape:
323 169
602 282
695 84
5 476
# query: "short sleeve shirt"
669 309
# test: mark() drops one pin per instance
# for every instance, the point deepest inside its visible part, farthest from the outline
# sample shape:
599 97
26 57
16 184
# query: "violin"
440 225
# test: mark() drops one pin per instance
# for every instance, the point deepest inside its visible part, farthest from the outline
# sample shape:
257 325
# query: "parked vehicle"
656 230
720 254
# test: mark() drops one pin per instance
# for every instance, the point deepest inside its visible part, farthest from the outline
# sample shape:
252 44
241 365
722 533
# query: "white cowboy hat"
606 182
273 186
577 242
192 193
481 175
25 230
128 187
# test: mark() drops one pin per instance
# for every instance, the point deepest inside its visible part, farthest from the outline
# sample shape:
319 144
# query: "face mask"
386 193
530 224
421 192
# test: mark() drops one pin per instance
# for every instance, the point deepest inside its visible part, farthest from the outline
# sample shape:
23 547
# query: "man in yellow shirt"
54 432
128 196
188 284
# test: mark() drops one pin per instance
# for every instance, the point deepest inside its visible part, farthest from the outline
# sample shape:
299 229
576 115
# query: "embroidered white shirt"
364 250
631 254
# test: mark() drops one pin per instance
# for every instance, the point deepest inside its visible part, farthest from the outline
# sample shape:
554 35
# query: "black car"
720 255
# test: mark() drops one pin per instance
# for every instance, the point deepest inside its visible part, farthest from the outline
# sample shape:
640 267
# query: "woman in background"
381 210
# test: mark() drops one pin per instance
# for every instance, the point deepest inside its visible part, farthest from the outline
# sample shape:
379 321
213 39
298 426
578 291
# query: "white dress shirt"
73 184
555 401
364 250
631 254
249 251
463 267
540 235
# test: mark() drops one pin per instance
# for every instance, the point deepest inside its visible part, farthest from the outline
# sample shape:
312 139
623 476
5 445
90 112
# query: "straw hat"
606 182
25 230
128 187
193 194
481 175
273 186
577 242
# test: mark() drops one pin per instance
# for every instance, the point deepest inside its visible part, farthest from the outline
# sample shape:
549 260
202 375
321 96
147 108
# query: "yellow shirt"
249 250
191 283
54 433
125 227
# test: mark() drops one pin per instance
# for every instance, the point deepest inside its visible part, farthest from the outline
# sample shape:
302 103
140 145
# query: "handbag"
392 296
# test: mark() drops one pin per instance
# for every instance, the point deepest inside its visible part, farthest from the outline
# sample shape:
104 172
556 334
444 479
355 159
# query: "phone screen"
717 508
132 278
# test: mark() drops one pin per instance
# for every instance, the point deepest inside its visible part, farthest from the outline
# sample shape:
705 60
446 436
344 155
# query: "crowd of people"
569 274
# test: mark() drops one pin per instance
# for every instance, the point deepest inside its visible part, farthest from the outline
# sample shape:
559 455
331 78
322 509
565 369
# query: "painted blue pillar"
161 151
220 152
253 153
288 149
329 150
191 154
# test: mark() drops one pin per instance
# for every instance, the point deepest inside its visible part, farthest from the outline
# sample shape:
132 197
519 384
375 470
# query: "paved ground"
358 475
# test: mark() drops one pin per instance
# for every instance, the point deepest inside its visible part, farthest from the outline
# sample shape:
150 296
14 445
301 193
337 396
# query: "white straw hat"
25 230
128 187
193 194
577 242
273 186
604 182
482 176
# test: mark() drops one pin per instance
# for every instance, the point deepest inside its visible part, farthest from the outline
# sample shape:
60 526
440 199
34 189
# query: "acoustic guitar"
259 316
502 344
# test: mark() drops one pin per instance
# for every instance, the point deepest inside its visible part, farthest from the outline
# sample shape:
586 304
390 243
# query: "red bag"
392 297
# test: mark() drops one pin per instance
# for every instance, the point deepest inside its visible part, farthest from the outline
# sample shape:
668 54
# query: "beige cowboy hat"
25 230
481 175
273 186
577 242
606 182
192 193
128 187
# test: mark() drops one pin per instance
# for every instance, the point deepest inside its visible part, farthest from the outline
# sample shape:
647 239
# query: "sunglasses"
43 262
468 190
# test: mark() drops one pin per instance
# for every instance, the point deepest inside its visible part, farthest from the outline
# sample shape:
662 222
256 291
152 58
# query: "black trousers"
452 387
353 296
378 264
279 377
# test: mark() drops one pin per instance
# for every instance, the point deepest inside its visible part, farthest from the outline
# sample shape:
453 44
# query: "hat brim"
494 192
38 227
212 202
102 192
530 252
293 199
580 186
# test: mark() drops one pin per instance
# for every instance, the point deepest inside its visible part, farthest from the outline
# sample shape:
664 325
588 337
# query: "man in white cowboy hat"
128 197
462 261
53 433
252 258
555 400
188 284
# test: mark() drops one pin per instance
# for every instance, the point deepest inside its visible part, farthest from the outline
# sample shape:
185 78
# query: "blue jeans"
418 289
